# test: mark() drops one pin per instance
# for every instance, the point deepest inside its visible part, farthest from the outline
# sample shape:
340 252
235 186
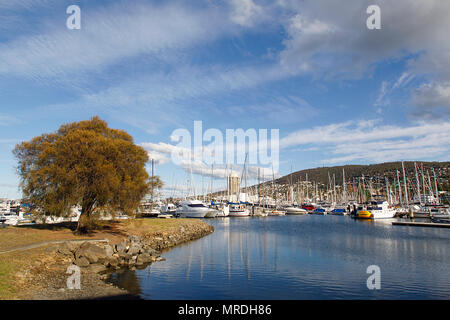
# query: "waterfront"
299 257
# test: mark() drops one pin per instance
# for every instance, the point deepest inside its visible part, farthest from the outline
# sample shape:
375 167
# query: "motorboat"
238 210
319 210
212 213
223 210
376 210
10 218
309 207
295 210
192 209
340 210
169 208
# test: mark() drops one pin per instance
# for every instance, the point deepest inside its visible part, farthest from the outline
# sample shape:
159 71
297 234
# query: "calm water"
300 257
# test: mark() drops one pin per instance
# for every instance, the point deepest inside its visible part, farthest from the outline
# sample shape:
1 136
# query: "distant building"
234 184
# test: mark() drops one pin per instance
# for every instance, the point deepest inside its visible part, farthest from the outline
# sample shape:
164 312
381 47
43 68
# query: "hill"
387 169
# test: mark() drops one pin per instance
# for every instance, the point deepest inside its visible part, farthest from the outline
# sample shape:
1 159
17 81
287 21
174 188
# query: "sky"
337 92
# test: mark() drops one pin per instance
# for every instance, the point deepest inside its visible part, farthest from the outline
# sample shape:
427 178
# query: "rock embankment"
99 257
161 240
133 252
134 245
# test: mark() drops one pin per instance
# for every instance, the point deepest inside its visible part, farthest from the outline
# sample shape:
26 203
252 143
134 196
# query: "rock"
93 253
109 250
72 246
160 259
97 268
143 259
134 239
64 249
124 256
134 249
81 262
151 251
112 262
121 247
182 229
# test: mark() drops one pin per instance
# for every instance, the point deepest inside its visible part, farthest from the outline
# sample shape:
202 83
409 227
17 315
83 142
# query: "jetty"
421 224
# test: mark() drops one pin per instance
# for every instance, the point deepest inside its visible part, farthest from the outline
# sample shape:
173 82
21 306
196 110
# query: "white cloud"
245 12
433 95
198 163
374 142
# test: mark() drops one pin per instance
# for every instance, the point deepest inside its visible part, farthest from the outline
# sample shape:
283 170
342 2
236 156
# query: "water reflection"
300 257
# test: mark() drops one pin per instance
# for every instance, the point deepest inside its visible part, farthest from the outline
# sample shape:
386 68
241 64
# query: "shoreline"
44 275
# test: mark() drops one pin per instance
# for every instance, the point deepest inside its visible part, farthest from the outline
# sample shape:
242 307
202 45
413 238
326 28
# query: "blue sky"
338 92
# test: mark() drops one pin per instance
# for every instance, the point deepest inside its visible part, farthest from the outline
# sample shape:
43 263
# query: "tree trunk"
84 221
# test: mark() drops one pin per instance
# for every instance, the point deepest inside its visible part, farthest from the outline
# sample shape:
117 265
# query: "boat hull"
240 213
296 211
372 215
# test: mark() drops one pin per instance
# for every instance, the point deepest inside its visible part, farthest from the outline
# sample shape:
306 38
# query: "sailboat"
293 209
275 211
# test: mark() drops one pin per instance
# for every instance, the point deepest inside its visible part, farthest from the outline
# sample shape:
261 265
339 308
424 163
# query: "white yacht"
10 218
223 210
376 210
295 210
238 210
169 208
192 209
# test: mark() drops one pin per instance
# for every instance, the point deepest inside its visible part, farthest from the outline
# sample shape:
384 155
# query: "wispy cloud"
373 142
108 35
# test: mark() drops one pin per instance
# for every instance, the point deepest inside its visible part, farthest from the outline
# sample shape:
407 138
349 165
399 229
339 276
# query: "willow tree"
84 163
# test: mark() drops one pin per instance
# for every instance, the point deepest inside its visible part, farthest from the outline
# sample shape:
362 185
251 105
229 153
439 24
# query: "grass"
7 268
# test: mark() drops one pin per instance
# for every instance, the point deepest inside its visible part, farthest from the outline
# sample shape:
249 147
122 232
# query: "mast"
334 188
423 182
404 181
212 181
399 188
263 189
307 188
418 184
436 187
430 187
387 190
343 184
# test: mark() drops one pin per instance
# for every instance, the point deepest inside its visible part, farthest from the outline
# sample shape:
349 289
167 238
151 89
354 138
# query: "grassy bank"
31 272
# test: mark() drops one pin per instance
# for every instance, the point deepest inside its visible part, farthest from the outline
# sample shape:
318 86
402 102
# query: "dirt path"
40 244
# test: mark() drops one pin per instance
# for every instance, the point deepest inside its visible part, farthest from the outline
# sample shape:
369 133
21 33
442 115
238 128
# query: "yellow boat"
364 214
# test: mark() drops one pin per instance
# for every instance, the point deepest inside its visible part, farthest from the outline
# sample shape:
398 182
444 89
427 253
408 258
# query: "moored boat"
376 210
295 210
192 209
238 210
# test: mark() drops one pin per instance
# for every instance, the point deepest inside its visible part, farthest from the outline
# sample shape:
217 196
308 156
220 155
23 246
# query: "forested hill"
374 170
